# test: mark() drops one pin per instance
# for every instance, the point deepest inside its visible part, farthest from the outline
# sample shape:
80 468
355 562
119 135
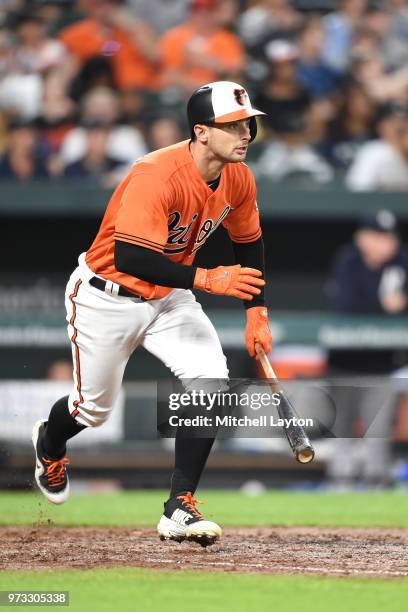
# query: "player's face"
377 248
229 141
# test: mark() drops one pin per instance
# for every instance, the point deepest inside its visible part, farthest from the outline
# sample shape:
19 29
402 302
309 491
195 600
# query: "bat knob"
305 454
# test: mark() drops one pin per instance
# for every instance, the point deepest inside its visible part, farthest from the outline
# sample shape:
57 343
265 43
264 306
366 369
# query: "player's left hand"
257 330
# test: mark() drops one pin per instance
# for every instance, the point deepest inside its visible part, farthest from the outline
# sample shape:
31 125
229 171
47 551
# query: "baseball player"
133 287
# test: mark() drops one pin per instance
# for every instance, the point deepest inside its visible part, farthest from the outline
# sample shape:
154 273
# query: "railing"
274 200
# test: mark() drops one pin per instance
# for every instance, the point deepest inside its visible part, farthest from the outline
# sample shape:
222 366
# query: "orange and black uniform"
164 206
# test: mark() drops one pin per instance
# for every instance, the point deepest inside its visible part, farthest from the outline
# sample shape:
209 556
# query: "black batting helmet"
221 102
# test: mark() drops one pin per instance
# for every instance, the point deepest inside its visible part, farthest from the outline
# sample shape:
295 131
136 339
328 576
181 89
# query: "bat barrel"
296 435
297 438
304 454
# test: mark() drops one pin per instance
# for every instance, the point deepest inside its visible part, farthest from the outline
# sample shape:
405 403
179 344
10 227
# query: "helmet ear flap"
253 128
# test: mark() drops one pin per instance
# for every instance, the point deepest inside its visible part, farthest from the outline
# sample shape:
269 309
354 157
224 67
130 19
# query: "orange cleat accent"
55 471
190 503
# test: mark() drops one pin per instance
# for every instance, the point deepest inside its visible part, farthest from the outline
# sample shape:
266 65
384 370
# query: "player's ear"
201 132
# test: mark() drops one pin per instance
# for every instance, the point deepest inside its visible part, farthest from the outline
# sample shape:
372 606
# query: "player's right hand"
236 281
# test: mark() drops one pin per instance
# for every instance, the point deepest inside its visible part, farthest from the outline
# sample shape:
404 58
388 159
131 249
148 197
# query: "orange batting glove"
257 330
238 282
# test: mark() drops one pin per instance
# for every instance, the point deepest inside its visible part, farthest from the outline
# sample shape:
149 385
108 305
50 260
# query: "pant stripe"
73 340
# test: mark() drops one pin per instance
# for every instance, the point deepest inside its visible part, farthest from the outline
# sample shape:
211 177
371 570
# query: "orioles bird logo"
240 95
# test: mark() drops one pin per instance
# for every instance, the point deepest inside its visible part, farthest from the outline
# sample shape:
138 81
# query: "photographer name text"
234 421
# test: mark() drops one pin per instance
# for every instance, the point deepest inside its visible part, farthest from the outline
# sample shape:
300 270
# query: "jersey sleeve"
143 213
242 223
79 41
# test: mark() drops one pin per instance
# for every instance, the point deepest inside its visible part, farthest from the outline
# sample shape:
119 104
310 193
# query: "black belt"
100 284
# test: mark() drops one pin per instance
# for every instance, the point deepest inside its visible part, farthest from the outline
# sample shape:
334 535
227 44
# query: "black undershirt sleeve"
156 268
152 267
251 255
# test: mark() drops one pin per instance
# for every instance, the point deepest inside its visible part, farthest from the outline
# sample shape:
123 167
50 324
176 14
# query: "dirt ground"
283 550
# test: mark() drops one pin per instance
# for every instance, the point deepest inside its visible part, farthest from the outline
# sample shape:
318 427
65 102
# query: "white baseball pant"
105 329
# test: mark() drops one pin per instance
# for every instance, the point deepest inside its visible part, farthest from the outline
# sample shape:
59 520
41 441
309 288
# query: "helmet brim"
238 115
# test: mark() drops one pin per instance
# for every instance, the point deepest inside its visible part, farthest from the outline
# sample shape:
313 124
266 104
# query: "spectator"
288 122
161 15
351 128
133 105
22 159
382 164
57 117
20 93
368 64
199 51
267 20
96 72
111 31
369 277
320 80
395 44
164 132
381 85
227 14
7 7
377 19
28 56
339 28
96 165
36 53
285 102
57 108
57 14
125 143
389 24
7 52
365 43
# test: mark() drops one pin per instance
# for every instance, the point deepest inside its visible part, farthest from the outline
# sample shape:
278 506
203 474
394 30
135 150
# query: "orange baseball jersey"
87 38
221 45
164 204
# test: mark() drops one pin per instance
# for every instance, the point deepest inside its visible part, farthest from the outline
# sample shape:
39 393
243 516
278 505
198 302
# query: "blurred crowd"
89 86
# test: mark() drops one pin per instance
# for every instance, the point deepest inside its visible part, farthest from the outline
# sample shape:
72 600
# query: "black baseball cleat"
182 521
50 474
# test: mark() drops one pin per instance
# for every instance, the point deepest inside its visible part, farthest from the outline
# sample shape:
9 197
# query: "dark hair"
20 123
16 20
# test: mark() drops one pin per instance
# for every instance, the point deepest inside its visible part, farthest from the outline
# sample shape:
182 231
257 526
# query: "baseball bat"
296 435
